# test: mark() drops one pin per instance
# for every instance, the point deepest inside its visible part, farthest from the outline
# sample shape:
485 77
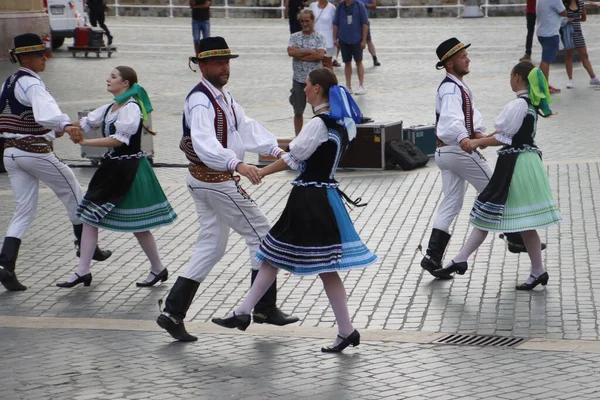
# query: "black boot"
99 255
266 310
8 260
178 302
435 251
515 242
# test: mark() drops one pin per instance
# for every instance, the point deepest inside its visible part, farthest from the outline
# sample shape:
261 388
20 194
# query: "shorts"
350 51
549 47
330 52
298 97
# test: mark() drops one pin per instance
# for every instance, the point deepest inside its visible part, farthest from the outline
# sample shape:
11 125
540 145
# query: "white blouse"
451 127
510 119
31 92
127 120
312 135
324 21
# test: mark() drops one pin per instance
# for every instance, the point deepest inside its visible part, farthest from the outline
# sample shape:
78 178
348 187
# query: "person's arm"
93 120
313 55
256 138
335 21
101 142
277 166
451 124
583 14
46 112
364 20
485 142
304 145
372 5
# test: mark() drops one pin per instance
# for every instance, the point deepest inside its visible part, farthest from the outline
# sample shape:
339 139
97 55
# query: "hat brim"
196 60
440 64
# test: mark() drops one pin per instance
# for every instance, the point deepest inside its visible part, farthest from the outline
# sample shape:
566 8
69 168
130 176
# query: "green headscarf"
539 92
140 95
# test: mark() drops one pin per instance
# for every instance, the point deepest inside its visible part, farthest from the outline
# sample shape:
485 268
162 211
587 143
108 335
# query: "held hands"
480 135
250 171
75 133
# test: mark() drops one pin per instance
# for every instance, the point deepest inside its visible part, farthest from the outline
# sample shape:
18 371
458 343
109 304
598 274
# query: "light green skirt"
530 204
144 207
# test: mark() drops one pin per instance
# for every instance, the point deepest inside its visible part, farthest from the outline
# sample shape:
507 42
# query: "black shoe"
99 255
274 317
110 39
336 63
542 279
352 339
520 248
446 273
432 261
162 276
175 328
236 321
515 242
9 281
365 120
376 62
85 279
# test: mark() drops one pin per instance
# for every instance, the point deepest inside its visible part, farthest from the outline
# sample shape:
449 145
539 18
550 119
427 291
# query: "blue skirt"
314 235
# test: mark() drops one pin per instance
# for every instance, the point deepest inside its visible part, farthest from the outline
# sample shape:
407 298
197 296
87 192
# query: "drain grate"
480 340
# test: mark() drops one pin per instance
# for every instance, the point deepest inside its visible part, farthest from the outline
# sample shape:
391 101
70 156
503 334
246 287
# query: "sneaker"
526 57
350 90
571 84
595 81
336 63
554 90
360 90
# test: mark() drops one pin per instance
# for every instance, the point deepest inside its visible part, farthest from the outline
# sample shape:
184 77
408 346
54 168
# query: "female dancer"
314 235
124 194
518 197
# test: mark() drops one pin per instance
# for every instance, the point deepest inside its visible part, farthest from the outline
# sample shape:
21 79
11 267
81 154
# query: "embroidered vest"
220 122
14 116
467 106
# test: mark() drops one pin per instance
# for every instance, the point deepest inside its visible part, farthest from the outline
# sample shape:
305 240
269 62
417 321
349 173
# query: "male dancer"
216 133
29 120
457 122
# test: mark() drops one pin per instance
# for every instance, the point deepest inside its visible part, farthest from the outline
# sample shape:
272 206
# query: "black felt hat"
28 43
213 48
447 49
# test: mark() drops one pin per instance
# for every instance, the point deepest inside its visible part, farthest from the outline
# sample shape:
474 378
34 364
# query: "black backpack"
405 154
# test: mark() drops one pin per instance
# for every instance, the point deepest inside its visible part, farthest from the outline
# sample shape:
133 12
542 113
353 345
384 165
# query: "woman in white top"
324 12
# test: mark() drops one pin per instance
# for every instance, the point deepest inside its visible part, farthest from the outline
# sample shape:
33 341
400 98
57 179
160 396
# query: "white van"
65 16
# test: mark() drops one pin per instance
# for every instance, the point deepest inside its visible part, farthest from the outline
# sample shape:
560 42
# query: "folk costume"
29 120
216 135
457 118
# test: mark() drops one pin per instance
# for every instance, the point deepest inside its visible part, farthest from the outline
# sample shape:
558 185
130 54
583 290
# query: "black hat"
213 48
447 49
27 43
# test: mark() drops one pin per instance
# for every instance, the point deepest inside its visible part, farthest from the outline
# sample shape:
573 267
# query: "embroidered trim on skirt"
314 235
143 207
529 204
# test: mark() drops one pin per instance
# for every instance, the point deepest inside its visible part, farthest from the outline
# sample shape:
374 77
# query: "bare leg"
348 74
569 62
298 121
360 69
545 67
336 292
371 48
585 60
328 62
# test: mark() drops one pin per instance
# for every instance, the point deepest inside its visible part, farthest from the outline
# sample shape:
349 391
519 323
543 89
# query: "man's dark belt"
30 144
206 174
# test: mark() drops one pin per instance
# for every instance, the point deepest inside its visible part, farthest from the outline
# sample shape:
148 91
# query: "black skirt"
112 181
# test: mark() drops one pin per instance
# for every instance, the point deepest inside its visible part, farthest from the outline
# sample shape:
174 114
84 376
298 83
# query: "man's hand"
363 44
479 135
249 171
337 44
75 133
59 134
465 145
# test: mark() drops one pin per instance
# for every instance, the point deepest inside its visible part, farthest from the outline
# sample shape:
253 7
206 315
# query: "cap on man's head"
447 49
213 48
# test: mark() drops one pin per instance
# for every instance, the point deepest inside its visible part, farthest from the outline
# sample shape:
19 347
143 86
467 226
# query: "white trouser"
220 206
25 170
458 167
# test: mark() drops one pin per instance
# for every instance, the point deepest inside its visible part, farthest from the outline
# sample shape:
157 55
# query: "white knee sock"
336 292
533 244
265 278
148 245
89 241
475 240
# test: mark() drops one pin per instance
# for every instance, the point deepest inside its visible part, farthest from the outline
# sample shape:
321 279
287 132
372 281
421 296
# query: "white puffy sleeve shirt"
510 120
312 135
451 127
248 136
31 92
127 120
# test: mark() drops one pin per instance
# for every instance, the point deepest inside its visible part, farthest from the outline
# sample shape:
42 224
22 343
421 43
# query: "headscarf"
343 109
539 92
140 95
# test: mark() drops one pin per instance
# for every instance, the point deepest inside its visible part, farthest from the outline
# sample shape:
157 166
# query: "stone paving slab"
85 365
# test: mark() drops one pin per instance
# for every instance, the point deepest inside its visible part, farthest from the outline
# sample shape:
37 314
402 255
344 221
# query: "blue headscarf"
344 109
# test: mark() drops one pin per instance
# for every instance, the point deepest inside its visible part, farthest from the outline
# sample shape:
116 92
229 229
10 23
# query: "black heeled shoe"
161 276
540 280
236 321
86 280
352 339
446 273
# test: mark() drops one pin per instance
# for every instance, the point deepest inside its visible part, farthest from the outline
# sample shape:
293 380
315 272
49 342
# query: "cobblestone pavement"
392 297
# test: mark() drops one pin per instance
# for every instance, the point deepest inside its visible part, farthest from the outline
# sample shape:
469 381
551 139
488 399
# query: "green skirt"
529 204
144 207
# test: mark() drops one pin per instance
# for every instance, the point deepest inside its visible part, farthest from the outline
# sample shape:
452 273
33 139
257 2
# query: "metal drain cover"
480 340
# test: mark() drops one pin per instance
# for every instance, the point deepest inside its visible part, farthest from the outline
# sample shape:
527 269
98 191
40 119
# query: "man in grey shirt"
548 26
307 47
